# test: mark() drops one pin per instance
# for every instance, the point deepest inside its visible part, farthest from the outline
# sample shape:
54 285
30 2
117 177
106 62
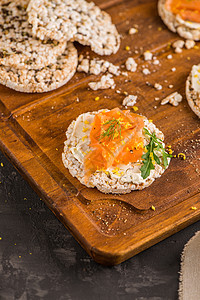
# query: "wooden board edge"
150 237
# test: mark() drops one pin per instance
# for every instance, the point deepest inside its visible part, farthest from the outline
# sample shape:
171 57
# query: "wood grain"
32 133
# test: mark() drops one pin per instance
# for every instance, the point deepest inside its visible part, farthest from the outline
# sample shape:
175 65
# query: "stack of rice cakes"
36 50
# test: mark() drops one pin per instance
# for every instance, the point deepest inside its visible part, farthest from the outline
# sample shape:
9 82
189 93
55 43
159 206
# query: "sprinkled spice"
182 155
193 208
135 108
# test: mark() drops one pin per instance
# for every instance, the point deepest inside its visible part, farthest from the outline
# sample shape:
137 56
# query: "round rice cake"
112 175
18 48
46 79
193 89
185 28
76 20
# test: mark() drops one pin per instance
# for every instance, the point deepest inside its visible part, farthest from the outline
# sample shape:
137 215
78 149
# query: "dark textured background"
39 259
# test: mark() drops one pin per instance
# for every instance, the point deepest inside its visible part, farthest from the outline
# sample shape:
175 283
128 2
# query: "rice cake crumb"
129 101
132 30
156 62
96 67
158 86
178 50
146 71
169 56
178 44
174 99
83 66
189 44
130 64
105 82
148 55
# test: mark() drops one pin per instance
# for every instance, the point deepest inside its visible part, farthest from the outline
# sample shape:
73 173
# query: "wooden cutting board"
32 133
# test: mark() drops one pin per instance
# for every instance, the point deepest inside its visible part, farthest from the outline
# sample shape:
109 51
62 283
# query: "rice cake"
185 28
18 48
76 20
46 79
193 89
120 178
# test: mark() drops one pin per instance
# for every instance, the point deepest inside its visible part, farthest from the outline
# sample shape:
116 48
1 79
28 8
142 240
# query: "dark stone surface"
39 259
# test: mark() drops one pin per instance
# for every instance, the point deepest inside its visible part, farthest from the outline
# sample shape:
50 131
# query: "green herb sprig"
149 157
113 129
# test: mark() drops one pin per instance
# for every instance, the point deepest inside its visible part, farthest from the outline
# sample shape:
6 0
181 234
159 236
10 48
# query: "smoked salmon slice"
189 10
116 138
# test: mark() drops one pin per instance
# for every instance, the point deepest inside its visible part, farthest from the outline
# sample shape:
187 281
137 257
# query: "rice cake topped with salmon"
115 150
181 16
193 89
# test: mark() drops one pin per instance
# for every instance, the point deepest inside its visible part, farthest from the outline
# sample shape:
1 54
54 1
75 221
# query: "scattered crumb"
129 101
171 86
173 69
148 55
130 64
146 71
156 99
158 86
178 44
169 56
96 67
105 82
133 30
83 66
114 69
189 44
156 62
178 50
125 74
174 99
80 58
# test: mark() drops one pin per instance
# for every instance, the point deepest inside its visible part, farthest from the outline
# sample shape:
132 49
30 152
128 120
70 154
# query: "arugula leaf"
147 167
150 157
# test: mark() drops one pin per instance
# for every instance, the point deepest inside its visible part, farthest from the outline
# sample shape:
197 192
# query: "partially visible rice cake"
181 16
76 20
108 159
18 48
193 89
46 79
